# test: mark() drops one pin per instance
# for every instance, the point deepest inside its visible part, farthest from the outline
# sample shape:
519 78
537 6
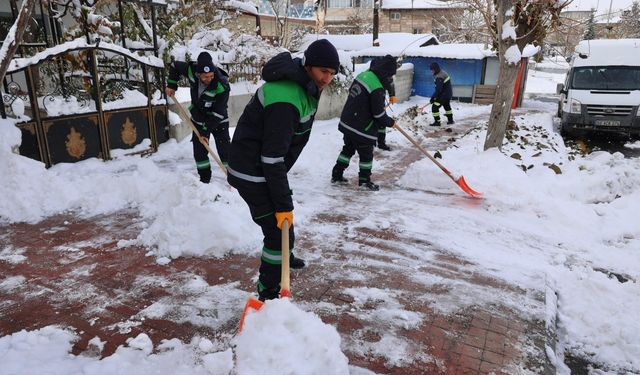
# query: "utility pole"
376 22
609 27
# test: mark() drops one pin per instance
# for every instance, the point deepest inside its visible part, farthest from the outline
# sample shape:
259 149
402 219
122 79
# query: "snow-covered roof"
242 6
81 43
447 51
607 52
420 4
600 6
359 42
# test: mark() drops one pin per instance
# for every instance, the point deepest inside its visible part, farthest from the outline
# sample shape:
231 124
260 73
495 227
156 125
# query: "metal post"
153 27
40 135
97 96
151 120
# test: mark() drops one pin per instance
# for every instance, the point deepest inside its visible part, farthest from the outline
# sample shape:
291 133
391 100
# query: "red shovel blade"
463 185
252 304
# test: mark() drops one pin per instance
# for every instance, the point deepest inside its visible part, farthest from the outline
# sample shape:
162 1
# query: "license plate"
607 123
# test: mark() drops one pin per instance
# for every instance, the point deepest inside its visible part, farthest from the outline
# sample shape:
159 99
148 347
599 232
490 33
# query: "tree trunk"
14 36
501 109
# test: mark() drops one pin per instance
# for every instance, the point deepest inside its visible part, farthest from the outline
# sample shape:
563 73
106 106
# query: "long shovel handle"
195 130
415 143
459 181
285 283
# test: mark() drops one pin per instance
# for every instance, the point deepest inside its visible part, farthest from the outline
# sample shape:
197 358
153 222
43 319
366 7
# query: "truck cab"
601 93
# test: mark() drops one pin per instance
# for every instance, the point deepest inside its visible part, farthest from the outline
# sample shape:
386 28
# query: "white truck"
601 92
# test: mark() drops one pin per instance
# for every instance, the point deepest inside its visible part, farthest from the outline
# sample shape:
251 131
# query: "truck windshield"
606 78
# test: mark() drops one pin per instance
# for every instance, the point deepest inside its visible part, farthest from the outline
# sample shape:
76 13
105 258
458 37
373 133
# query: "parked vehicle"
601 92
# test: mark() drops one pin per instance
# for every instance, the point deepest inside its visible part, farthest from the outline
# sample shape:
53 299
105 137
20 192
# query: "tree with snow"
630 21
14 36
590 33
513 25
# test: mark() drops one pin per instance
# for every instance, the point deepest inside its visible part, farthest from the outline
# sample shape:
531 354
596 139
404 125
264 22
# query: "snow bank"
182 216
304 345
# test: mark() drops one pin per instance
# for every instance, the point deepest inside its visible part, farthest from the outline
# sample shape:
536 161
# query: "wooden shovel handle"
285 283
195 130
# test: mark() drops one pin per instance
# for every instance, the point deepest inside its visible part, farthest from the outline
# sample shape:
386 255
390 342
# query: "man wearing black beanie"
209 98
270 135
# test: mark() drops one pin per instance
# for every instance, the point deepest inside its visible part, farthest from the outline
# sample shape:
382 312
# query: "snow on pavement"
534 227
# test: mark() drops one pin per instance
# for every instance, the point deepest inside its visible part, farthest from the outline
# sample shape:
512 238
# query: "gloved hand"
282 216
393 125
431 100
393 100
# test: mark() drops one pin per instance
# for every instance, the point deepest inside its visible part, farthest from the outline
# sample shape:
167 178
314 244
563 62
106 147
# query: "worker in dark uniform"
271 133
442 96
209 97
363 114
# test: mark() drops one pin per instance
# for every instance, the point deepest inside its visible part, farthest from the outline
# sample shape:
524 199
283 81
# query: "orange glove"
282 216
394 125
393 100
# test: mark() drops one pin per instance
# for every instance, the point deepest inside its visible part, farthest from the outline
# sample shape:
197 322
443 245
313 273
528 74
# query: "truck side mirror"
560 89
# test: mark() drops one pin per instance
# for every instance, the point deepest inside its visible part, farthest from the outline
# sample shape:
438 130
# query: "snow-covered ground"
546 211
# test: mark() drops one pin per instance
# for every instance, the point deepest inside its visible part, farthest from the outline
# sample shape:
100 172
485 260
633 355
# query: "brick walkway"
76 276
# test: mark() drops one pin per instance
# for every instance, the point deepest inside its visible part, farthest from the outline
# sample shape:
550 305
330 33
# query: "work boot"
384 146
267 294
205 175
435 123
450 120
368 185
296 263
340 180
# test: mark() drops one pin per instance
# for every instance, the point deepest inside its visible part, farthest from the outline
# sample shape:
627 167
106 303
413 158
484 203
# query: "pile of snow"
182 216
304 345
46 351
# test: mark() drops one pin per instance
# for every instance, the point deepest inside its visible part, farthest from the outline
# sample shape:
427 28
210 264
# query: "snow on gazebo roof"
81 43
420 4
360 42
447 51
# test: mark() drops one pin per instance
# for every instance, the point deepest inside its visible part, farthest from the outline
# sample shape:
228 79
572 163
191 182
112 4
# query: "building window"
395 15
367 4
417 30
340 4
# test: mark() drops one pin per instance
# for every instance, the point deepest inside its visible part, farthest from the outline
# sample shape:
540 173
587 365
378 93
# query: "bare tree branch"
14 36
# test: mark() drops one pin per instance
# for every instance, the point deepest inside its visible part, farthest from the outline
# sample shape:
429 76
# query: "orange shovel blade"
252 304
463 185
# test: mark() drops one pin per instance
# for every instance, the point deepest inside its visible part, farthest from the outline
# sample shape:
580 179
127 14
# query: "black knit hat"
435 67
323 54
384 67
205 63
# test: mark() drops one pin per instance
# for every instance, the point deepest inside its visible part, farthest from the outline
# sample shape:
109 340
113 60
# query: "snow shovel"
195 130
285 288
459 181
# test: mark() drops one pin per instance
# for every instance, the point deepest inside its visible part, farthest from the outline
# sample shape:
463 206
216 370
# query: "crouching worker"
209 98
362 116
270 135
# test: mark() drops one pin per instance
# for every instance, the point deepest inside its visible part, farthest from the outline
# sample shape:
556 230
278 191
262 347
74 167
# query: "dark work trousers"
365 152
200 153
435 109
382 136
263 213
